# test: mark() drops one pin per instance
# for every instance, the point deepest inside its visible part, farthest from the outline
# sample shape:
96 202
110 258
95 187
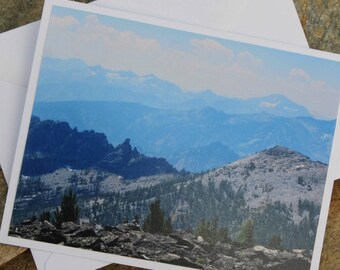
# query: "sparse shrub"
211 232
246 235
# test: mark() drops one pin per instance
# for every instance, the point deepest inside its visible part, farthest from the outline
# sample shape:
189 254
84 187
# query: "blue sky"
194 62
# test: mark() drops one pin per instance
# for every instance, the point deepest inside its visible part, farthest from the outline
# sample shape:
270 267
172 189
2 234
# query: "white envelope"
274 20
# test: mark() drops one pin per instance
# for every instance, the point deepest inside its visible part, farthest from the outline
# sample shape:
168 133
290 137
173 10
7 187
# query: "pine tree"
69 210
246 235
155 221
224 235
167 226
58 218
46 215
275 242
69 207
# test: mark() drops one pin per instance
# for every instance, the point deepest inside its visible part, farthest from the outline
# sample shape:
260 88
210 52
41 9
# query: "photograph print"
175 147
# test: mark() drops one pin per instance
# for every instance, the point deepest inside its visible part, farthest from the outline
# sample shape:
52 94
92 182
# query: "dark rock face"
52 145
183 249
41 231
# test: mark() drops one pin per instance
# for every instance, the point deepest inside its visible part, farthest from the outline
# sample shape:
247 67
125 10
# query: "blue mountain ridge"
177 134
72 79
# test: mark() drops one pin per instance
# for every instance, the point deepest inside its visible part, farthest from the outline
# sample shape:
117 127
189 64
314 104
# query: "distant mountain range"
54 145
172 133
205 158
164 121
69 80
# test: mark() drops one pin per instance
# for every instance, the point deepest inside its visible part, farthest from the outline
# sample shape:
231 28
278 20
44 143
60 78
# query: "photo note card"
157 144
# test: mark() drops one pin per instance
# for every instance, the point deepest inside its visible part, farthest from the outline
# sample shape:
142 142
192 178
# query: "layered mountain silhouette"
205 158
172 133
52 145
72 79
163 120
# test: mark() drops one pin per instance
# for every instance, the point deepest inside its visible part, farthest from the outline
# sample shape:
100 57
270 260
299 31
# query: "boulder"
178 260
297 263
110 240
53 237
183 240
83 242
69 227
224 249
47 226
130 226
225 262
85 232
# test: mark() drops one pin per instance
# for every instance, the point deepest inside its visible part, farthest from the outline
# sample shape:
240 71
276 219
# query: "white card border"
160 22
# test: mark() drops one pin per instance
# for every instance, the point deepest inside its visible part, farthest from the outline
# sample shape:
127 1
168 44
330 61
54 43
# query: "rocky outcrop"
52 145
179 248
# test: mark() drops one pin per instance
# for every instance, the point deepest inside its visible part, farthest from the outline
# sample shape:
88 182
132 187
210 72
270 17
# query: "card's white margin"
28 110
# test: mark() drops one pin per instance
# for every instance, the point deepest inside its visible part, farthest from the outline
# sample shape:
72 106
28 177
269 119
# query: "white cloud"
212 51
63 22
299 74
210 44
269 104
209 64
96 44
113 76
248 61
317 96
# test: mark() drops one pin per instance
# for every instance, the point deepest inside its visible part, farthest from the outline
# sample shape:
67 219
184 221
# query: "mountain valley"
280 189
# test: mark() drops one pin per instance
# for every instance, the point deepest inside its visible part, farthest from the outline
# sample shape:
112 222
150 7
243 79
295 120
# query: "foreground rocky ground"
178 248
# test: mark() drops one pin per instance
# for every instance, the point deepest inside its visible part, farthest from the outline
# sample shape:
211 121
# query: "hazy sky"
195 62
